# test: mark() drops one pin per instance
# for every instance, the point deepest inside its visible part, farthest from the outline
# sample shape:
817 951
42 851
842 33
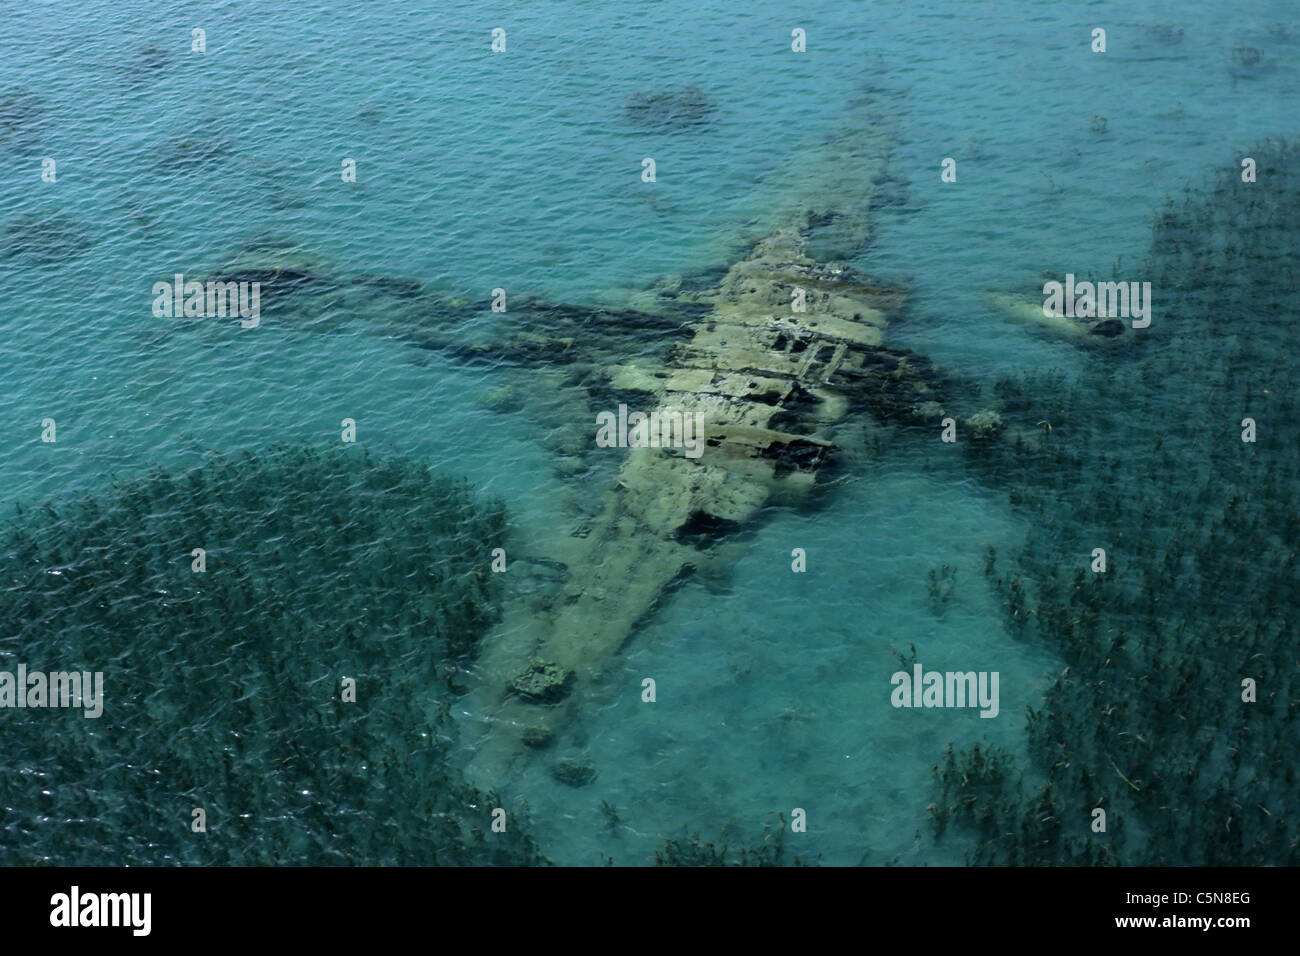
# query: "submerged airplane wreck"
774 354
784 348
769 384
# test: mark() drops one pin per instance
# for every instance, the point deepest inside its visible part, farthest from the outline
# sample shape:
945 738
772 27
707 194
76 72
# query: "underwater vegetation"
1248 62
573 772
190 151
150 59
674 108
42 237
1144 456
1245 55
21 113
1166 34
691 850
222 688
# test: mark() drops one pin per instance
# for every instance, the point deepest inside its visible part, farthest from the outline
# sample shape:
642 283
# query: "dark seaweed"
222 688
1202 532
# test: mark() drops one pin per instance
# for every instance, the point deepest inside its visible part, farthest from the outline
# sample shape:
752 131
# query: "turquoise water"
477 171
